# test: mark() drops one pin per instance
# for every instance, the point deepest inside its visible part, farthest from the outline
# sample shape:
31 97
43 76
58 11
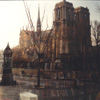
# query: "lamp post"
40 56
7 77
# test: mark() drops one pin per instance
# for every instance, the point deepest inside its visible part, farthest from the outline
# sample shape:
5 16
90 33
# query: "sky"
13 17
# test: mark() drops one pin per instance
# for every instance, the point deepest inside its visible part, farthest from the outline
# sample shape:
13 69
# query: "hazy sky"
13 17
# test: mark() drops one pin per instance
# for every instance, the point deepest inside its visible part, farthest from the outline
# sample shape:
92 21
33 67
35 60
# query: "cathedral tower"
83 33
64 26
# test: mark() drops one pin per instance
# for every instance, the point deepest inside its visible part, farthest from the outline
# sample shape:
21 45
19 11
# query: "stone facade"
83 33
64 28
25 39
71 30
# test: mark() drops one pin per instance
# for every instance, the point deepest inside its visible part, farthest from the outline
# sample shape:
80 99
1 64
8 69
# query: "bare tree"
95 33
98 8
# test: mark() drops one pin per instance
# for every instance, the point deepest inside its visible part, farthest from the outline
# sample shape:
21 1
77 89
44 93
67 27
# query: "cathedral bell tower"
64 36
83 29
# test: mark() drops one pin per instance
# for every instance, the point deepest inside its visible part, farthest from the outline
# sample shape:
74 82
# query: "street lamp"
7 57
7 77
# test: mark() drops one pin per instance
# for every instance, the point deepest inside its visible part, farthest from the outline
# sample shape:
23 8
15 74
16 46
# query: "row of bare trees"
95 26
95 33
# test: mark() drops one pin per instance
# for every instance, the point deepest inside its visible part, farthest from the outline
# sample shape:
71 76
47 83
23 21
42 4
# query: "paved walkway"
9 93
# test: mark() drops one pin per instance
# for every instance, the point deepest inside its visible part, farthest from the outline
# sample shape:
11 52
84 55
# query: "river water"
8 92
11 92
1 62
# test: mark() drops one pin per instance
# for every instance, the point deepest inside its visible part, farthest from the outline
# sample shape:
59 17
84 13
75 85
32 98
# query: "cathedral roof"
64 2
81 8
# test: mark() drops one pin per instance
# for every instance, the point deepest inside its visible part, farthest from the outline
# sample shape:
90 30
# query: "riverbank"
20 71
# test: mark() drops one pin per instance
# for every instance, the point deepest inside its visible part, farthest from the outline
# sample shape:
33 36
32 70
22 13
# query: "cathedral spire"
38 13
38 21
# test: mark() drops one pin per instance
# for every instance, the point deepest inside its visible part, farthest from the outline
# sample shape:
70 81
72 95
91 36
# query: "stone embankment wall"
20 71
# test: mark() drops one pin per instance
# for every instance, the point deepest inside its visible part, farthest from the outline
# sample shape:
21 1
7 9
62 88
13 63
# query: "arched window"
78 16
69 11
61 12
58 13
75 16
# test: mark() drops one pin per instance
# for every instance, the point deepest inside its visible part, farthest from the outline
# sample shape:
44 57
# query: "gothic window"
66 12
58 13
64 47
61 12
85 16
75 16
69 13
78 16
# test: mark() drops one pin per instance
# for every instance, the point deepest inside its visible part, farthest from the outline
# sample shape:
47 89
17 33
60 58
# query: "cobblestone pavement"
9 93
12 92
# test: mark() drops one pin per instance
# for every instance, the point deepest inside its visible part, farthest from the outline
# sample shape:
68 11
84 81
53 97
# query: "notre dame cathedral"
71 35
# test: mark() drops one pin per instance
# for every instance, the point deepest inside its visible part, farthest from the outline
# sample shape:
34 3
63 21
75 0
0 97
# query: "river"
8 92
1 62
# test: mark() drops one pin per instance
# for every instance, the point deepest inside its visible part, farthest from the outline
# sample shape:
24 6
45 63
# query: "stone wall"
20 71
